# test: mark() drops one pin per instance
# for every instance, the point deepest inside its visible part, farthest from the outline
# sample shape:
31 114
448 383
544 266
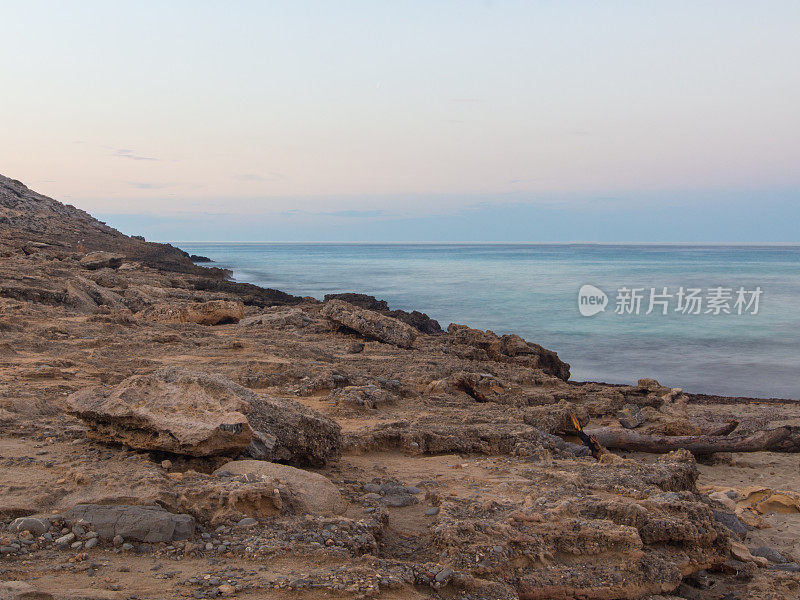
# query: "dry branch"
625 439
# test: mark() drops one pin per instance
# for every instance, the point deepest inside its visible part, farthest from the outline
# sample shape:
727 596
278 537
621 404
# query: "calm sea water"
532 290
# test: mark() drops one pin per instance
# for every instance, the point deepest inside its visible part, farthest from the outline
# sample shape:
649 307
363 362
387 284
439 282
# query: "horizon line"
477 243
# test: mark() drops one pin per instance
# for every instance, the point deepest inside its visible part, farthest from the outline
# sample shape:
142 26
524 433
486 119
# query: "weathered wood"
723 429
626 439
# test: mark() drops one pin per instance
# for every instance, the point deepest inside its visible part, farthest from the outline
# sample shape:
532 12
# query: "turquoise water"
531 289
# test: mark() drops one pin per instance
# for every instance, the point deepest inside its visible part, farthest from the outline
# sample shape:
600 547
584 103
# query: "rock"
171 410
415 319
118 540
724 500
481 345
363 396
213 312
65 539
22 590
791 567
279 317
101 260
630 417
247 522
35 526
770 554
166 464
309 492
432 511
91 543
142 523
226 590
740 552
286 430
732 522
370 324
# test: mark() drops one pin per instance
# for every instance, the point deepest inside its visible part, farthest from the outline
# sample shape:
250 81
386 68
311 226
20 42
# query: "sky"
437 120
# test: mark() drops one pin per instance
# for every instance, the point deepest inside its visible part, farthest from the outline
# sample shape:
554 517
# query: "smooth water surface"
531 289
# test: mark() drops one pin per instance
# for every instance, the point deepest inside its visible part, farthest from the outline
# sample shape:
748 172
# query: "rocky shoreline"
166 432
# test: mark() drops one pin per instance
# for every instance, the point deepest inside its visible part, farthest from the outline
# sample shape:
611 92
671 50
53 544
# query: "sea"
713 319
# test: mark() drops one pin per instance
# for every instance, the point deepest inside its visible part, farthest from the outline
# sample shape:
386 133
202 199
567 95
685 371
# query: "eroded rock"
141 523
310 493
370 324
171 410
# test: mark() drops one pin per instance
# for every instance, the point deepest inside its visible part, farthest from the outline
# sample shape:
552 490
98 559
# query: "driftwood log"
625 439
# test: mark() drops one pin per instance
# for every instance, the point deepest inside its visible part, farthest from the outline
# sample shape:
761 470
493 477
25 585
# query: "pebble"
127 546
76 545
91 543
118 540
247 522
770 554
432 511
166 464
65 539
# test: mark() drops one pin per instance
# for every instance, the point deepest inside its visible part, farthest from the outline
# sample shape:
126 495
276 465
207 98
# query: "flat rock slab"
172 410
142 523
310 493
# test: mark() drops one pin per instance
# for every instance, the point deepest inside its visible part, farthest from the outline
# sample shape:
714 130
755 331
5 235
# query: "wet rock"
286 430
101 260
630 417
172 410
370 324
308 492
142 523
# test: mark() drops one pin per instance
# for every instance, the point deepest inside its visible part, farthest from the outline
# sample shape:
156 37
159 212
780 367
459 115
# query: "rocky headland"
166 432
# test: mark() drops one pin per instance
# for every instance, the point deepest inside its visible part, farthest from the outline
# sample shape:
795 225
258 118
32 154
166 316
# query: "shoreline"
702 397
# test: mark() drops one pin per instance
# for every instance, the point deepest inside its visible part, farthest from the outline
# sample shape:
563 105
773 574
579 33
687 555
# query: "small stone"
724 500
166 464
65 539
35 526
444 574
630 416
118 540
740 552
770 554
432 511
127 546
91 543
76 545
226 590
247 522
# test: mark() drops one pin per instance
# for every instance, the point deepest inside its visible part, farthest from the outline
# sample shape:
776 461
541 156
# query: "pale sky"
320 120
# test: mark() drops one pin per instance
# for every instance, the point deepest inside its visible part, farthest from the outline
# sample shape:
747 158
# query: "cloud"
143 185
274 176
125 153
357 214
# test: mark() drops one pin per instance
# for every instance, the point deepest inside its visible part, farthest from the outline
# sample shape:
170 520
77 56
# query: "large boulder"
101 260
370 324
171 410
213 312
482 345
142 523
307 492
416 319
285 430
